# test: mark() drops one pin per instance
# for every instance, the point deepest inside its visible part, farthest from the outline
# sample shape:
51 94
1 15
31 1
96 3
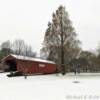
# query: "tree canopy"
60 41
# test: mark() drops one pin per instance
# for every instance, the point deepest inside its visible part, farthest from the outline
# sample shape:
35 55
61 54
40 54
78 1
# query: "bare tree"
28 51
92 60
18 46
60 42
21 48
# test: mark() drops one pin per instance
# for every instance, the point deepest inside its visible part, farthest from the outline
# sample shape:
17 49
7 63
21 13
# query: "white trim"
6 57
29 58
42 65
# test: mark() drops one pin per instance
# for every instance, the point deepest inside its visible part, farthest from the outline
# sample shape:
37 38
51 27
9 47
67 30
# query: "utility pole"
62 46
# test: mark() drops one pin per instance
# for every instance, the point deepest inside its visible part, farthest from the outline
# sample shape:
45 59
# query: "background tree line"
18 47
62 46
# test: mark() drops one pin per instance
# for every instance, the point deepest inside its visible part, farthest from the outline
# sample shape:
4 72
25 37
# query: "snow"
29 58
51 87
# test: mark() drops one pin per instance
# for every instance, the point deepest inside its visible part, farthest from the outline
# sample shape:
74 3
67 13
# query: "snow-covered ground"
51 87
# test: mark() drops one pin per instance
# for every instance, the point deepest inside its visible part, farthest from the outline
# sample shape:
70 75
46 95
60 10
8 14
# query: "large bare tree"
60 42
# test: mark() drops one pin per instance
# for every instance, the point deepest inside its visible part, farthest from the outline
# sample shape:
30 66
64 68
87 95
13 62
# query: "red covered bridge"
29 65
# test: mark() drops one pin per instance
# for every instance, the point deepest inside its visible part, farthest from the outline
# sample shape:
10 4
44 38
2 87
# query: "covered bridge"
29 65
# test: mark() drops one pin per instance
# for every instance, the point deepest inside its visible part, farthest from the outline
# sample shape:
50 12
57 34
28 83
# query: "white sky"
27 19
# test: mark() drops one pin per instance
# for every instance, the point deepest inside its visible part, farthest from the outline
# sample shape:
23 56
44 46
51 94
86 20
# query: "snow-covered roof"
29 58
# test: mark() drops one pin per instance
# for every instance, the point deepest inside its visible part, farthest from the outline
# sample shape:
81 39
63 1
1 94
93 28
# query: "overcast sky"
27 20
